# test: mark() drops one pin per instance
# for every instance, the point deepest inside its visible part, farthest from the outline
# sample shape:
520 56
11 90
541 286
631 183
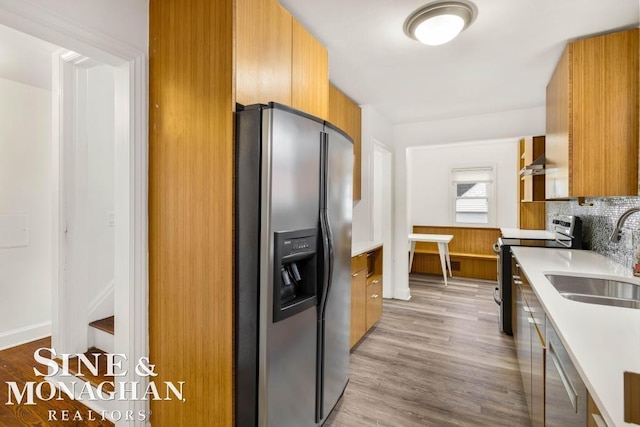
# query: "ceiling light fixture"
438 23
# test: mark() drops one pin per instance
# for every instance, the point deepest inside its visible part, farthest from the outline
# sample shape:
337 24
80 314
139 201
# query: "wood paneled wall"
466 240
471 251
263 52
347 115
309 73
191 208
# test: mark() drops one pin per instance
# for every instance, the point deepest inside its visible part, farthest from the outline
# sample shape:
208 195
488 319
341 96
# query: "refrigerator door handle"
327 238
323 281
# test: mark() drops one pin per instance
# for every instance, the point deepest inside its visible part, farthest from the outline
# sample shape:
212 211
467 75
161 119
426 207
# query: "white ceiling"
502 62
25 59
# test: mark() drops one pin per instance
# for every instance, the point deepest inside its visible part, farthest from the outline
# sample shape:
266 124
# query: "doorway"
129 214
382 210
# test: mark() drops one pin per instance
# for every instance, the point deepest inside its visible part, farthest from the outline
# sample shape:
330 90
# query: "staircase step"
107 325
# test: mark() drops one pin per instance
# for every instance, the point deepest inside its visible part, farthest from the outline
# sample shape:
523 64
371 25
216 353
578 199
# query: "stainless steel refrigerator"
292 266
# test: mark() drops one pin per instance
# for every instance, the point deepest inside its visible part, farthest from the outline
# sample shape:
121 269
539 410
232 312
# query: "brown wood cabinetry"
366 293
358 298
374 302
191 208
594 417
263 52
592 118
309 73
531 185
531 188
277 59
347 115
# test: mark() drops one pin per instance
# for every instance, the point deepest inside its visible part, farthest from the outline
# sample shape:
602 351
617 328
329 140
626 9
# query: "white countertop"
602 341
358 248
518 233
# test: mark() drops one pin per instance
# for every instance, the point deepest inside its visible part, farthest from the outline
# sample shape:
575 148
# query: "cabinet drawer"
376 279
358 262
374 303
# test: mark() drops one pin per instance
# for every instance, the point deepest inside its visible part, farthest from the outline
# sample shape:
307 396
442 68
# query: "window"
472 191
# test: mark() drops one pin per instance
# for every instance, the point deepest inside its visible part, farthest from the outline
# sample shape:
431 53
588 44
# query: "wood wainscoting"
471 252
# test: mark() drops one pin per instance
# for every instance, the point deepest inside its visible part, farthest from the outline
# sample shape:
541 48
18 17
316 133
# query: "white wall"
374 128
508 124
25 188
429 179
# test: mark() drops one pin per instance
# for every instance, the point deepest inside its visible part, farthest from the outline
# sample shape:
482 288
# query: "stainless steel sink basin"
594 290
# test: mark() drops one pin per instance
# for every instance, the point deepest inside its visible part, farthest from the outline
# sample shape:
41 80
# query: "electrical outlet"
111 218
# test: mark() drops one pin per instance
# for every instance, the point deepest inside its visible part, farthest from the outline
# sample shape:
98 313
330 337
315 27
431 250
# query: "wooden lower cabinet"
374 300
366 293
358 305
594 417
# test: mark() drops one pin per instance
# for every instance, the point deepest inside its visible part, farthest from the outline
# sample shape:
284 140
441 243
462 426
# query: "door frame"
132 293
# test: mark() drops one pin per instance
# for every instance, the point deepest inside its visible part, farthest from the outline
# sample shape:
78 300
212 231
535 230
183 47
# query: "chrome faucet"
617 232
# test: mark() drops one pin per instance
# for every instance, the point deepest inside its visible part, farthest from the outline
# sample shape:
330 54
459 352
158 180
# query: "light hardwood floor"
436 360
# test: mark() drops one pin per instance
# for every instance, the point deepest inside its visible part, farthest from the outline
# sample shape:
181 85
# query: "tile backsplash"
598 222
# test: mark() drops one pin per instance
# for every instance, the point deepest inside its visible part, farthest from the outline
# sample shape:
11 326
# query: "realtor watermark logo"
77 389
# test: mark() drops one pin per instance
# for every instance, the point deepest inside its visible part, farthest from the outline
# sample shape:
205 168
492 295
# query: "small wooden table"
443 249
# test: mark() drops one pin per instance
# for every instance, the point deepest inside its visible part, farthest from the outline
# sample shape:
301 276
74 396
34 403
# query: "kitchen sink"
595 290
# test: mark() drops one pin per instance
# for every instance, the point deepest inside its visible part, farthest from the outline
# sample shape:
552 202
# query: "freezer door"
337 312
290 201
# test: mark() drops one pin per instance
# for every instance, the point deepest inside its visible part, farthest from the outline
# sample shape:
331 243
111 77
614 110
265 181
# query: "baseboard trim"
24 335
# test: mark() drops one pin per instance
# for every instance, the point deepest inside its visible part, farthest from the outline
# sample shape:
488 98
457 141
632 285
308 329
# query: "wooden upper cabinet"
347 115
592 118
531 185
531 191
263 52
309 73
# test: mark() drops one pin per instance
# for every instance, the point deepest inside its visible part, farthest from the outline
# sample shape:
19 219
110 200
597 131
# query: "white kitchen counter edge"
603 341
358 248
519 233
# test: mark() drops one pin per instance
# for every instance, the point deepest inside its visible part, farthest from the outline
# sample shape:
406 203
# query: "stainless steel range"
566 233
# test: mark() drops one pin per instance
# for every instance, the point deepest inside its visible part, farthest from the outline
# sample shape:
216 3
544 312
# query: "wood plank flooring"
102 376
16 364
436 360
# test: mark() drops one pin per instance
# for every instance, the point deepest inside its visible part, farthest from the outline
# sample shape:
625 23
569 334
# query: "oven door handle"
496 293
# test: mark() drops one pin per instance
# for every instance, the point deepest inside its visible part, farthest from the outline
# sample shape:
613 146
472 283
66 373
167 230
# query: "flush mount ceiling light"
438 23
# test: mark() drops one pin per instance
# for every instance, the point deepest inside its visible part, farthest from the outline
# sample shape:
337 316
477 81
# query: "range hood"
537 167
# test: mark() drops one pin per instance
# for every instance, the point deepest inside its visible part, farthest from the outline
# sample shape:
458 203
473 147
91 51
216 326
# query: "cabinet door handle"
516 277
375 296
517 282
375 281
599 420
527 309
571 391
354 275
